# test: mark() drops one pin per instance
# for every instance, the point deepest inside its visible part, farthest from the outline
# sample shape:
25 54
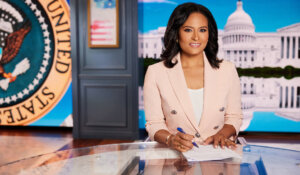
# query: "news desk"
154 159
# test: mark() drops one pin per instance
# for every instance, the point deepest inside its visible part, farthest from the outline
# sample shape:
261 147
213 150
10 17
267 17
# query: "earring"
177 41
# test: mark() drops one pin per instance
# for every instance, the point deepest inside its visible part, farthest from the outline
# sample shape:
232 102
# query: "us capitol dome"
239 20
238 38
239 28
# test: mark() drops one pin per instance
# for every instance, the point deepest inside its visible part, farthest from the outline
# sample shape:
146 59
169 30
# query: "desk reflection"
181 166
151 158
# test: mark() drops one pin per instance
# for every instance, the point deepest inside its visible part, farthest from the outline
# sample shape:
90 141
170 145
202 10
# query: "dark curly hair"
177 19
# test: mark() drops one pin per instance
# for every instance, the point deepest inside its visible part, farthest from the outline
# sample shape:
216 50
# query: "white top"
196 96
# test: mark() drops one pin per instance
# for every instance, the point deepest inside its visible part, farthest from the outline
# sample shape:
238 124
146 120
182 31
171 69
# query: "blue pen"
181 130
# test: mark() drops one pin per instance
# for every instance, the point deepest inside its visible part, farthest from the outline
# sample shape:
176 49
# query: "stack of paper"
208 152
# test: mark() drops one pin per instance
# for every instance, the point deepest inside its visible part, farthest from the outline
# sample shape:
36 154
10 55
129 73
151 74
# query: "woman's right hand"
181 142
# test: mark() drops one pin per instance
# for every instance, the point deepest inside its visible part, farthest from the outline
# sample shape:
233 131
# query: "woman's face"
193 35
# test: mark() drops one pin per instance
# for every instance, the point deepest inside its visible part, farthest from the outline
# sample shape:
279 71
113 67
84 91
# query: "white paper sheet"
208 152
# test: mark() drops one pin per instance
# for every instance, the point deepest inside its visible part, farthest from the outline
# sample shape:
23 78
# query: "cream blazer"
168 105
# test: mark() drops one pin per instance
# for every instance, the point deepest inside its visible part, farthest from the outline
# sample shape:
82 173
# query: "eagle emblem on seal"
11 39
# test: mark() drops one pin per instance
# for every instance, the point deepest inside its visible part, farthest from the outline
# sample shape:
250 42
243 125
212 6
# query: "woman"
191 88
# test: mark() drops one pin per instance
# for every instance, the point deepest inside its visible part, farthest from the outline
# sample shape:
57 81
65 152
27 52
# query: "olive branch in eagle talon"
11 49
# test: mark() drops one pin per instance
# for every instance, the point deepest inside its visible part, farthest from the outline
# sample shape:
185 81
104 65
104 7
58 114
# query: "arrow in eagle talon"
20 68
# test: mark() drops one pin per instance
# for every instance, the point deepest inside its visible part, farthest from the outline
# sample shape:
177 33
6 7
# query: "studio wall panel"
100 102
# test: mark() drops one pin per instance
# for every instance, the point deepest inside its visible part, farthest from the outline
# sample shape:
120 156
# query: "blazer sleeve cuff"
236 123
152 128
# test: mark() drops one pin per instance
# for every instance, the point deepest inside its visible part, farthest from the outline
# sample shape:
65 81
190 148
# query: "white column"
241 61
280 96
242 56
253 63
234 56
295 96
283 96
255 54
296 45
289 95
284 47
291 47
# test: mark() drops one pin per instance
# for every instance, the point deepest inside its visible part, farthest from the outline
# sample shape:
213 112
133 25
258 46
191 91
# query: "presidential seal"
35 63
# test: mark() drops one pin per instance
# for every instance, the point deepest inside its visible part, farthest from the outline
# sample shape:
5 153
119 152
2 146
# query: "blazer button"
197 135
173 112
222 109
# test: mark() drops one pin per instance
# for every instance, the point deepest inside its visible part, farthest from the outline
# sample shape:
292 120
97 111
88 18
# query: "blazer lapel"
208 93
176 77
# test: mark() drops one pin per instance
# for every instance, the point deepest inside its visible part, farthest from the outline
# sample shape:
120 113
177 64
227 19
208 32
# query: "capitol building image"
240 44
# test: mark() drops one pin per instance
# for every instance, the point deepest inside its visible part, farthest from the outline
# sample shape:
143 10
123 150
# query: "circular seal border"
46 57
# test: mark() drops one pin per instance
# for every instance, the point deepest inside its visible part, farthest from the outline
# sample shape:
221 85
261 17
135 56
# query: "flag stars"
44 26
47 56
30 87
41 19
14 98
42 69
35 82
47 48
45 63
1 101
20 95
28 2
37 13
39 76
7 100
47 41
25 91
33 7
46 34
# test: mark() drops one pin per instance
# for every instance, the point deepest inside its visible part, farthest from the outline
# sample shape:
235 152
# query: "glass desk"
154 159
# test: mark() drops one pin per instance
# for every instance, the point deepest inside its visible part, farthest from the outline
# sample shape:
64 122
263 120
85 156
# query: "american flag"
102 32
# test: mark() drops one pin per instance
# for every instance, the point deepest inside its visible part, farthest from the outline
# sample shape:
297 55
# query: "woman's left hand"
221 138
